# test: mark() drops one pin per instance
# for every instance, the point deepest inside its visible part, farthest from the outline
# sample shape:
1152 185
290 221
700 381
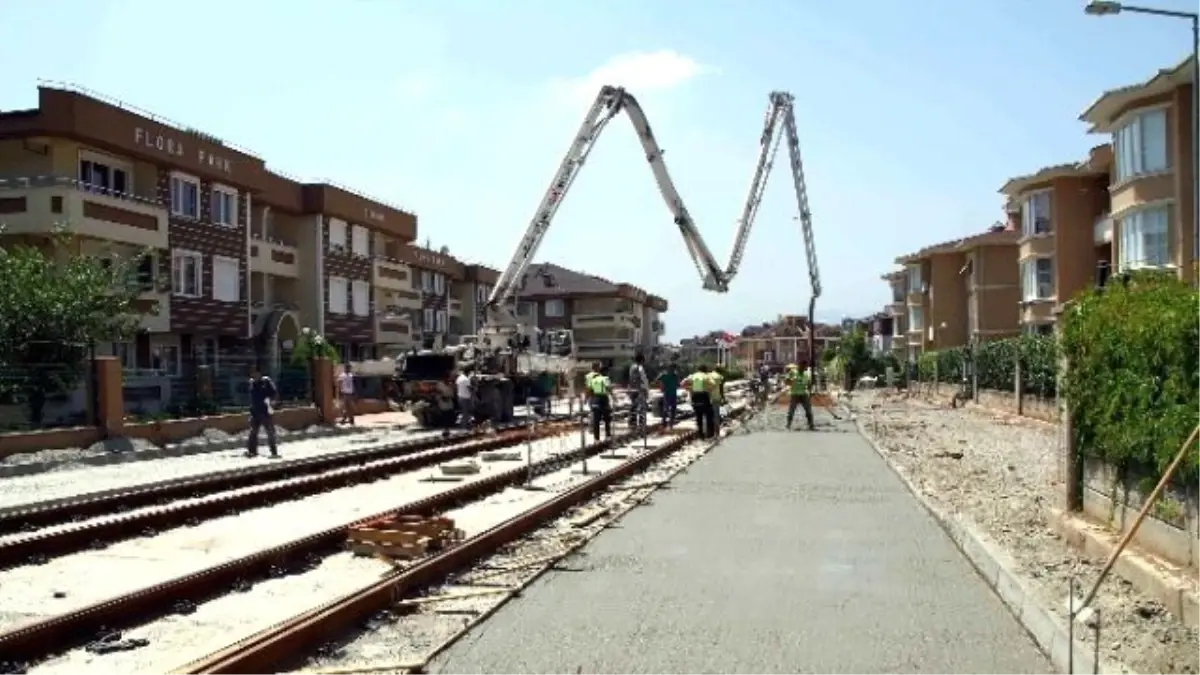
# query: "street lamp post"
1106 8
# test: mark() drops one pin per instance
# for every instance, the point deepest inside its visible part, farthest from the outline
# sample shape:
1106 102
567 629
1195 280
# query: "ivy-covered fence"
1133 385
993 365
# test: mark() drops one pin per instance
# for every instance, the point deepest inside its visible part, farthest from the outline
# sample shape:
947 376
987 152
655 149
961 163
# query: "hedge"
1133 386
996 362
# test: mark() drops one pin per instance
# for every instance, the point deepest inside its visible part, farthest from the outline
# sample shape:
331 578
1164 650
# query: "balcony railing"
48 204
274 257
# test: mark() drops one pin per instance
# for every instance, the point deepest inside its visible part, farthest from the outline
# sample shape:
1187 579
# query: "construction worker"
669 380
718 396
599 391
699 386
639 392
799 384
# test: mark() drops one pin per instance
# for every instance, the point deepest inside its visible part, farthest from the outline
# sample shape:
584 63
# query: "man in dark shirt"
262 395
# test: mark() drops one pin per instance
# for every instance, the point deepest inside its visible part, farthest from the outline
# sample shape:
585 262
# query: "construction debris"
403 537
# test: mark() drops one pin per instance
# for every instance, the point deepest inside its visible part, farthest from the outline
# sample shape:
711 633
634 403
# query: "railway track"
94 624
291 642
193 500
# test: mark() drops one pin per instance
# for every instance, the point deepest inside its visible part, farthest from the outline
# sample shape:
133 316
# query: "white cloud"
640 72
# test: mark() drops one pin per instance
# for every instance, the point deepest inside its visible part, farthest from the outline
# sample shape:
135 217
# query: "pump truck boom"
780 121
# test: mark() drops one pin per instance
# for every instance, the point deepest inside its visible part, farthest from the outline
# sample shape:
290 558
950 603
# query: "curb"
106 459
996 568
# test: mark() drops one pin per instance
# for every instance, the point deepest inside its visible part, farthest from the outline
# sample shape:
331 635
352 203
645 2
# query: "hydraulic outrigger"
610 102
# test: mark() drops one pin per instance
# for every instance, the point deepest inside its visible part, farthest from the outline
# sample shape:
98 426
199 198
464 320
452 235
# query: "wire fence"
1025 368
50 385
211 385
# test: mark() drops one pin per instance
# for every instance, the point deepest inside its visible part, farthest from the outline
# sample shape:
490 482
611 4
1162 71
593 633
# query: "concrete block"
1010 590
501 456
463 468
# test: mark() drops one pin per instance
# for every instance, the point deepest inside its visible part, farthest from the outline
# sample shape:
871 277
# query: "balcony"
897 308
154 306
915 297
390 274
606 320
47 204
392 328
456 307
274 257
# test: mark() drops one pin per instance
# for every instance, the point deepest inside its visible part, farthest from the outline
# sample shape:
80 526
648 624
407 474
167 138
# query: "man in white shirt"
345 385
466 398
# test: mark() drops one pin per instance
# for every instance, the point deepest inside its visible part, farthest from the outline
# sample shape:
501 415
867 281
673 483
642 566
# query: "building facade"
1153 211
1062 213
237 257
611 321
960 290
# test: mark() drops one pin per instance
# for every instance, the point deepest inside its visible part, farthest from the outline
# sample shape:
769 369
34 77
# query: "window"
427 281
165 359
914 279
1145 238
224 206
185 196
427 323
226 279
186 269
915 318
439 283
556 308
1140 146
1035 214
1039 329
482 292
359 242
126 353
339 295
1037 279
100 176
337 234
440 321
360 296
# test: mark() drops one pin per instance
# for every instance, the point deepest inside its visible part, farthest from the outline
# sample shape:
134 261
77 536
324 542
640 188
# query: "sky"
911 116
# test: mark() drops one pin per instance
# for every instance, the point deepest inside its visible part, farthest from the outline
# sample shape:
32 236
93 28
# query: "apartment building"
611 321
897 309
474 293
1061 213
961 289
1153 170
782 341
240 257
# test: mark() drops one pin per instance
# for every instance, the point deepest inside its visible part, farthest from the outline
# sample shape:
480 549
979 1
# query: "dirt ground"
1001 473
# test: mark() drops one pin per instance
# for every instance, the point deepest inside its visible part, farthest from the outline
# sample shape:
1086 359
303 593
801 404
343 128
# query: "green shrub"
1133 385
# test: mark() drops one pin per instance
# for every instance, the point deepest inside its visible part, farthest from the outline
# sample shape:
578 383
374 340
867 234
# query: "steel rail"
55 512
289 641
37 548
37 640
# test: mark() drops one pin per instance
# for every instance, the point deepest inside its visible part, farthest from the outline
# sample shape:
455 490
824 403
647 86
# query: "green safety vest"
799 382
717 379
598 384
699 382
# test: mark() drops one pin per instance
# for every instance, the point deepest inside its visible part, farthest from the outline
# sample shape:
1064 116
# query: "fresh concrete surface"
779 552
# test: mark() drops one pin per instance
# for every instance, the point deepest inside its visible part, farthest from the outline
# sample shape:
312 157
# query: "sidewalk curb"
996 568
110 458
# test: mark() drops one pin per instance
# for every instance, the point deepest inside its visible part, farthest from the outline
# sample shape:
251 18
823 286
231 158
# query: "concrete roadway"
778 552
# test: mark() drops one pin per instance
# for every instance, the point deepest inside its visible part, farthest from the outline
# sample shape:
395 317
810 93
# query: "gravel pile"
1001 473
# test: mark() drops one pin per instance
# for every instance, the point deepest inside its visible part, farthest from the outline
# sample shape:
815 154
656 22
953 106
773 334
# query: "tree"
312 345
851 355
53 308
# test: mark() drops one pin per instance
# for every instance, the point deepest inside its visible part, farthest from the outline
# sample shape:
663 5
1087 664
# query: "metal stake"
1096 646
1071 628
